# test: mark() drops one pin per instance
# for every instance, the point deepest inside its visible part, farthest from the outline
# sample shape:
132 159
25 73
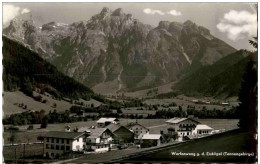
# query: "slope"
220 79
26 70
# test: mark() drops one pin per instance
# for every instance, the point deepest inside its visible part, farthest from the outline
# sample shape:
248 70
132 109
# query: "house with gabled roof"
182 126
57 142
138 129
122 133
97 139
186 127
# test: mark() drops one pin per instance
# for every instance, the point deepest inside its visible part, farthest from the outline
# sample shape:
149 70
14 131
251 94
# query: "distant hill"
221 79
25 70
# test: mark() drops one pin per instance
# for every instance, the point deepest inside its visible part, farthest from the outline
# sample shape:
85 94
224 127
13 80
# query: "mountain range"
114 49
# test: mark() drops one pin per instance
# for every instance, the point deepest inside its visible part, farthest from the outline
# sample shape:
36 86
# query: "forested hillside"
25 70
223 78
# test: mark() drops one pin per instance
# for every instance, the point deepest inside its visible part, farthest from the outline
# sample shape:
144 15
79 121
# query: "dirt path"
119 80
157 126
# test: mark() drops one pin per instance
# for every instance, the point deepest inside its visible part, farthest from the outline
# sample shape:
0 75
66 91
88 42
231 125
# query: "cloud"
150 11
11 11
25 10
238 24
153 12
174 13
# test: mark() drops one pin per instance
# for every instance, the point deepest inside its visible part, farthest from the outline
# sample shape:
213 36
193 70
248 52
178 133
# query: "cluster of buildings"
109 134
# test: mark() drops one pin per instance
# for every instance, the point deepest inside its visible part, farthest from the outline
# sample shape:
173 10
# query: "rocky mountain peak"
164 24
188 23
105 11
118 12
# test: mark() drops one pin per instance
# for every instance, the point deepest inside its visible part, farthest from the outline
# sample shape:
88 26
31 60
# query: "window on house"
62 147
47 146
57 147
57 140
52 140
47 139
68 141
78 140
67 148
62 140
52 146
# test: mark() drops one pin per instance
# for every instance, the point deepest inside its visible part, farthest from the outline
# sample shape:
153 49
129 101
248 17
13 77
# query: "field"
12 99
30 150
184 101
231 142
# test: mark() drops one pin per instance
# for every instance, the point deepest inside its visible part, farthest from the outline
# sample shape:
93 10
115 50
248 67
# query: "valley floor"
155 126
34 150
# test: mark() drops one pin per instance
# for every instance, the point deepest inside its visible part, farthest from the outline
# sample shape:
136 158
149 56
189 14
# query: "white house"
102 122
202 129
57 143
98 139
182 126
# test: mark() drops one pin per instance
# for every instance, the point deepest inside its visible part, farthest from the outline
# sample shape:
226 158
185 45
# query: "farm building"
138 129
57 143
149 140
102 122
122 134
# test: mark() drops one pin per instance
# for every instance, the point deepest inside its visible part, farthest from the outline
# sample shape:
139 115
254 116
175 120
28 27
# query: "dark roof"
94 132
113 127
133 124
66 135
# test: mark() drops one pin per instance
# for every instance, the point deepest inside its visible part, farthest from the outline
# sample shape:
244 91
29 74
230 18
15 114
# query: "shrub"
13 128
38 98
30 127
44 124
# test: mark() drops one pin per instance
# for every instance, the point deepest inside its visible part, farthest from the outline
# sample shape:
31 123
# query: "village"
109 135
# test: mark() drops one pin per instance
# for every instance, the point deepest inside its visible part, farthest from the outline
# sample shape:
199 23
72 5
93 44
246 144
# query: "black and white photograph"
129 82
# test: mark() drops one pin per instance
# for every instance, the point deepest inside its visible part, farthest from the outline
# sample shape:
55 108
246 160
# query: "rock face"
115 47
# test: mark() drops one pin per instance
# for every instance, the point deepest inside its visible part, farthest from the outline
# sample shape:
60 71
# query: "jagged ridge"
113 45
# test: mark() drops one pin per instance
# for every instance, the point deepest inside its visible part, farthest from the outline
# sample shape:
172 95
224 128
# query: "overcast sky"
235 23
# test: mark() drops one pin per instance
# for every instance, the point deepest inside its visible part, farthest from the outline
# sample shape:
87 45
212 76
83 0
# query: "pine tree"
248 98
